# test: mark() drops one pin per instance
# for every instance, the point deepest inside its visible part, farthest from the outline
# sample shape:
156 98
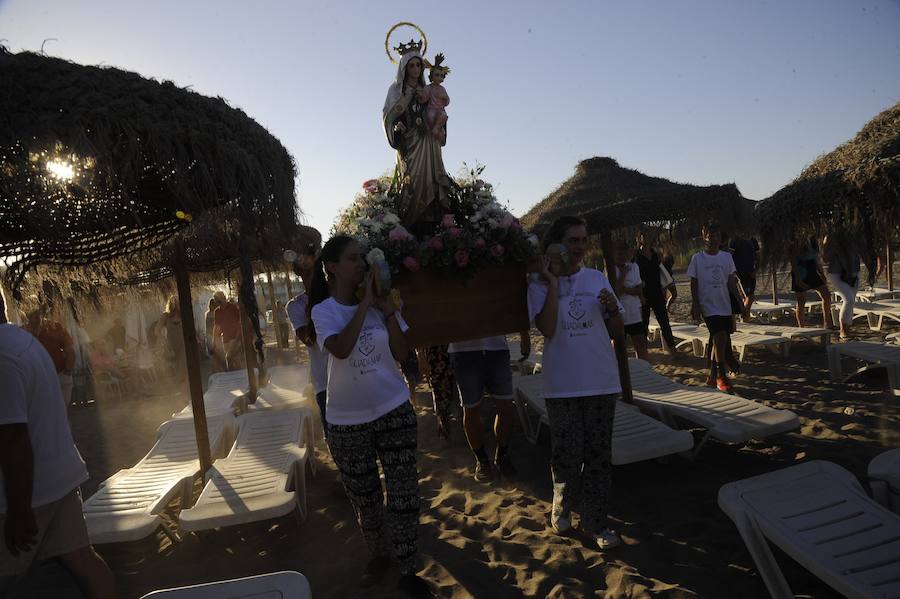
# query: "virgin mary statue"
418 152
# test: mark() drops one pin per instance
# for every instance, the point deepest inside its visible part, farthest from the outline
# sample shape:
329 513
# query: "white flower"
533 240
375 256
391 219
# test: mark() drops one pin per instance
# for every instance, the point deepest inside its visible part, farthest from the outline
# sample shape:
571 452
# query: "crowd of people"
364 375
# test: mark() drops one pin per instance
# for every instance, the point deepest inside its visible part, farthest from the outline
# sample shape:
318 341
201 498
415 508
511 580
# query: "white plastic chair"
884 479
277 585
819 515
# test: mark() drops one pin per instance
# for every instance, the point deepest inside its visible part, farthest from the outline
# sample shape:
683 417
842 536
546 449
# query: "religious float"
446 248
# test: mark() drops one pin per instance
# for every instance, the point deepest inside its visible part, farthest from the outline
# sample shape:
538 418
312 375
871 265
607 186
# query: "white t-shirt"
578 360
318 362
712 272
631 303
497 343
368 383
31 395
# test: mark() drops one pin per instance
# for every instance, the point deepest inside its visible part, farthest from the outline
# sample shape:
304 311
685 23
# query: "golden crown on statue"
412 46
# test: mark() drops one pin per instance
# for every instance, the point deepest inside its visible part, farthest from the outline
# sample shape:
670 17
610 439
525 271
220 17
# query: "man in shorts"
40 471
745 253
482 365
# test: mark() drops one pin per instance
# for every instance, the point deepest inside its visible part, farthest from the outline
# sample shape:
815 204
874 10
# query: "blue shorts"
478 372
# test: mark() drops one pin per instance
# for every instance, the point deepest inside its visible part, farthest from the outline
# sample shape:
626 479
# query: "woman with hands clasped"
368 414
577 311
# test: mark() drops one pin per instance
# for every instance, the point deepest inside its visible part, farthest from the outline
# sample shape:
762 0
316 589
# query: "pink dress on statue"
436 97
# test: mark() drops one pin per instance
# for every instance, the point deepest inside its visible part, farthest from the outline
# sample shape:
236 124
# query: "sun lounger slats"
876 355
127 506
636 436
818 514
728 418
254 482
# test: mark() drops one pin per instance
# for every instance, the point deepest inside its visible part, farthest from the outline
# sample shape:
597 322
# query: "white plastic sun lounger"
874 294
697 337
273 397
528 365
884 479
764 311
895 337
811 333
728 418
819 515
876 355
127 506
874 312
636 437
229 380
277 585
263 476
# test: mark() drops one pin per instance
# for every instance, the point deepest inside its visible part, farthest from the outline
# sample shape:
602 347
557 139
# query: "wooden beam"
249 352
619 342
889 257
272 300
192 359
774 284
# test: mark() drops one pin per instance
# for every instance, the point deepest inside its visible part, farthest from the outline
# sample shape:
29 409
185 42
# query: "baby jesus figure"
436 98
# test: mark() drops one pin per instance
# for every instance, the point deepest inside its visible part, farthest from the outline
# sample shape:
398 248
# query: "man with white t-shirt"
713 284
40 471
296 311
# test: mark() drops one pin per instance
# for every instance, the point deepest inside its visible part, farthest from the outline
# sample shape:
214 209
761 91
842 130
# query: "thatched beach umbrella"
98 163
855 187
609 197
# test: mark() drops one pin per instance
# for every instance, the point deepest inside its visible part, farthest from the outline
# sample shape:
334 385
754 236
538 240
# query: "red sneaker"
724 384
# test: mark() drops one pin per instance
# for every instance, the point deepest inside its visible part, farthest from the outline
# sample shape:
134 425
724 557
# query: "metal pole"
619 341
192 358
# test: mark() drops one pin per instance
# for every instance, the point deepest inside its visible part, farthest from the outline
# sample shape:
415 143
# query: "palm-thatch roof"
856 187
97 163
609 196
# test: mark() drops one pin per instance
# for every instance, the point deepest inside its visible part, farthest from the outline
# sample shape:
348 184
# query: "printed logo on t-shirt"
575 324
365 345
716 274
576 309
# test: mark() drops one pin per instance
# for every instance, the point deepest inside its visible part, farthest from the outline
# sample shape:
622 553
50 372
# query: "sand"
492 539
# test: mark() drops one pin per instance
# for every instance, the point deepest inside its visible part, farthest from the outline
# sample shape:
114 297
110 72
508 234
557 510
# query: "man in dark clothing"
648 262
745 253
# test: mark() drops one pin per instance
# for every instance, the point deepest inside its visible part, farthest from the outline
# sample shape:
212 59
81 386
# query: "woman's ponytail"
318 290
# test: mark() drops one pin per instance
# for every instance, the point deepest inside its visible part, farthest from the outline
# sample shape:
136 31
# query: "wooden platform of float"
441 307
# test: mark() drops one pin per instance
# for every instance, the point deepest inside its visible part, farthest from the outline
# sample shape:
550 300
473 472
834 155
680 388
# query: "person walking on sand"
577 311
370 418
40 471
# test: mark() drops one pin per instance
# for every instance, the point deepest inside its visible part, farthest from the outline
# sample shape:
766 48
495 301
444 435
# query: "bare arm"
17 464
341 345
303 335
396 338
695 300
615 326
549 315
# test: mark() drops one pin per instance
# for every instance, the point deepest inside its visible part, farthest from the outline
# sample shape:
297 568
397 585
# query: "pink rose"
462 258
370 186
436 243
455 231
411 264
480 243
398 234
447 221
507 220
497 250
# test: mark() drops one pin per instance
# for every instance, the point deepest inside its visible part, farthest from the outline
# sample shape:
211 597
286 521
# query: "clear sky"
710 91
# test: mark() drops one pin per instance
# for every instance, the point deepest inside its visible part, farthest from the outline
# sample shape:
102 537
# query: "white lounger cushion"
127 505
636 437
728 418
252 483
884 475
277 585
818 514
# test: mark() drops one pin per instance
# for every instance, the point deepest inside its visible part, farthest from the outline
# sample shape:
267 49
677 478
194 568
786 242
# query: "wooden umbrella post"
249 352
192 358
619 341
274 309
889 266
290 292
774 284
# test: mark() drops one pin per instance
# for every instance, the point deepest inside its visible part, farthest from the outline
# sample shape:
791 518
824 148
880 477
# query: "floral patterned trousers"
390 439
580 459
443 386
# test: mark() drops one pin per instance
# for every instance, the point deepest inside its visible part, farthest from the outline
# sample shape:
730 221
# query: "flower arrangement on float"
477 230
